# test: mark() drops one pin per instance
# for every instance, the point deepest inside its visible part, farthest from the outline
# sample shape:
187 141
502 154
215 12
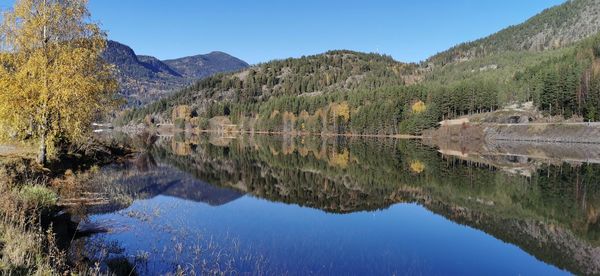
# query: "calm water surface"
275 205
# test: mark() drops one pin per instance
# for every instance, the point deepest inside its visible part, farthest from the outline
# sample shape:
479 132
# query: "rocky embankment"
544 132
472 133
515 124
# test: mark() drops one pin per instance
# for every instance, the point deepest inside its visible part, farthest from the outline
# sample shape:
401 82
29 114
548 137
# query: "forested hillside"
202 66
144 79
308 89
552 29
568 85
350 92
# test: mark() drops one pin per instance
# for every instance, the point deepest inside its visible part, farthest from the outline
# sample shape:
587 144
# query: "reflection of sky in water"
404 239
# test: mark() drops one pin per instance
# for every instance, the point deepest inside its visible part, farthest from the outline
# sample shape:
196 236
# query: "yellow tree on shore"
53 79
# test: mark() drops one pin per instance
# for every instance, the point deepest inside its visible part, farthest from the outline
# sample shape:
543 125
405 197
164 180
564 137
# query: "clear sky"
262 30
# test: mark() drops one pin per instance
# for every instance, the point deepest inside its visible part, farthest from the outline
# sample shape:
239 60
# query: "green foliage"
417 122
552 79
551 29
569 84
597 50
291 77
466 97
243 94
299 94
38 196
561 82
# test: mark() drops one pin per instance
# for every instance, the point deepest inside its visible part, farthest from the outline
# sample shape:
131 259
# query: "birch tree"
53 79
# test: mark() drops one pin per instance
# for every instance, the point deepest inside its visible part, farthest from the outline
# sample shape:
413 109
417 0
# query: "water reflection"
548 209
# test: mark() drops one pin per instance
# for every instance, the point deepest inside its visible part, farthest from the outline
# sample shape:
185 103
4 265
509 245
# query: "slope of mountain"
310 75
308 85
144 79
351 92
131 65
157 65
553 28
202 66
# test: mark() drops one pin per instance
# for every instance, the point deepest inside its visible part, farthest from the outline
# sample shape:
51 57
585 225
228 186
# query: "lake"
272 205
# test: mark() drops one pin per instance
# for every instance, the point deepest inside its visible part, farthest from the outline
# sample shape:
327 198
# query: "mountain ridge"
358 93
144 79
553 28
214 62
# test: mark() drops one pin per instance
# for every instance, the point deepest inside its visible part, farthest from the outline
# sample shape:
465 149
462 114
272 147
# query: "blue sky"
259 31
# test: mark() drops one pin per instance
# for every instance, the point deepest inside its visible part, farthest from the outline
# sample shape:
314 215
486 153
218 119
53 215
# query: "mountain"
133 65
144 79
552 60
553 28
202 66
157 65
311 85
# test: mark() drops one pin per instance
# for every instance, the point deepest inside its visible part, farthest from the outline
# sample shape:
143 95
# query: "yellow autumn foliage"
419 107
303 151
181 112
53 78
340 159
304 115
181 148
417 166
340 110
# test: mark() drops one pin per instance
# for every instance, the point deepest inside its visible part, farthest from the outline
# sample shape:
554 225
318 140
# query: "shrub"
181 112
419 107
417 166
38 196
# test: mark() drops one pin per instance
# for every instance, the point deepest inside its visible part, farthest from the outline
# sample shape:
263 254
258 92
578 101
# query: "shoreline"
396 136
551 133
548 133
170 131
33 196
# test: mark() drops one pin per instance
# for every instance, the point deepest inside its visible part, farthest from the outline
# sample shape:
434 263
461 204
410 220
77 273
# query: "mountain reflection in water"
331 206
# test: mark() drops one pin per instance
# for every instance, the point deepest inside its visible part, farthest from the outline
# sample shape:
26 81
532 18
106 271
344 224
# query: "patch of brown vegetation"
29 203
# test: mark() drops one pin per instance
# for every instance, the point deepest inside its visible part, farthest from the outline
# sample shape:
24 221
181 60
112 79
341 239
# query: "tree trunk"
42 155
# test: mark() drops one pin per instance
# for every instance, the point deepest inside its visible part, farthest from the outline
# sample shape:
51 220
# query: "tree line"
568 85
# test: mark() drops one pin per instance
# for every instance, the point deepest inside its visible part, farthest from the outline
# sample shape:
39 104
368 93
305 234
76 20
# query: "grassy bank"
34 235
26 246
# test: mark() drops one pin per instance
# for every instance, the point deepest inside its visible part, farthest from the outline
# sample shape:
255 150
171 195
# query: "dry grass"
29 200
22 251
25 247
16 149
